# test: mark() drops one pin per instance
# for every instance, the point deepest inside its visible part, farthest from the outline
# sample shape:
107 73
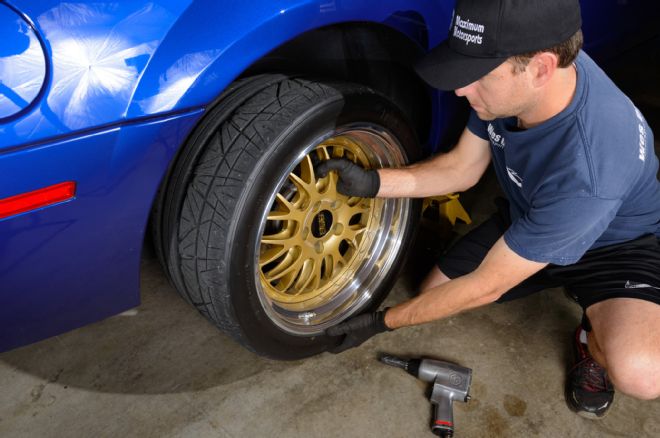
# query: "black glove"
358 329
353 179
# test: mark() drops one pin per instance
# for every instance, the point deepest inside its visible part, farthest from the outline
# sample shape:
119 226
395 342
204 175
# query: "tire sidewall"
349 105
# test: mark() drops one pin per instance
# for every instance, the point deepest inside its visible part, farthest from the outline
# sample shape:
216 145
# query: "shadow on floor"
163 346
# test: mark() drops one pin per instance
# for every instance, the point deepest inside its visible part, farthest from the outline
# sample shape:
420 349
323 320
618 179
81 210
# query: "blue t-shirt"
584 179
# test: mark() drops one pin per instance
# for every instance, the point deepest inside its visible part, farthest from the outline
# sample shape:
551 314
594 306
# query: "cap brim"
445 69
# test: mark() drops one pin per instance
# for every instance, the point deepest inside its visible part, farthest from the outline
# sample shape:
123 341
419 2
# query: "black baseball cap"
485 33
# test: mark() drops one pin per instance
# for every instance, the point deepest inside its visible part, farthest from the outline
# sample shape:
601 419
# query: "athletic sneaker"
589 391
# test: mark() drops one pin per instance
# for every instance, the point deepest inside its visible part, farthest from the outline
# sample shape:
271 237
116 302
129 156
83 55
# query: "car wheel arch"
398 83
212 61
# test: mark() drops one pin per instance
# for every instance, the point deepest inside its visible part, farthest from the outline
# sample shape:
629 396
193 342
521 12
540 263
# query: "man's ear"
543 66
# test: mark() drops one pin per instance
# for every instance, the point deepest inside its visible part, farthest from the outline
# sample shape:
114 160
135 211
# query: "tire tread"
219 178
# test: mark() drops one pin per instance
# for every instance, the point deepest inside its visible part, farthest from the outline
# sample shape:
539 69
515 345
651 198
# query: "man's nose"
464 91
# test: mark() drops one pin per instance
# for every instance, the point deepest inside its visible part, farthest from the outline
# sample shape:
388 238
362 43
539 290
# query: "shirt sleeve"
477 126
561 230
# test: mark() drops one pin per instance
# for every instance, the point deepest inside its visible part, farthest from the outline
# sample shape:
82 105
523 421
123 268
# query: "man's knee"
625 331
637 375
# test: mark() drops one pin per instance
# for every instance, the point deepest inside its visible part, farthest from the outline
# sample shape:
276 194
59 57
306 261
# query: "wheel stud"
318 247
339 228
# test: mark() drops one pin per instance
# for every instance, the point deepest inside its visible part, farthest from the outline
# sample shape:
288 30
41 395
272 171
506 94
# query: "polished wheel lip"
359 281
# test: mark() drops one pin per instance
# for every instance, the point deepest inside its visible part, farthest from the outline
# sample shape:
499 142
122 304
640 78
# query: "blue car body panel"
78 261
105 93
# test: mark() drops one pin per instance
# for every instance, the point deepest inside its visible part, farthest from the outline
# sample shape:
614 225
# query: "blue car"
199 124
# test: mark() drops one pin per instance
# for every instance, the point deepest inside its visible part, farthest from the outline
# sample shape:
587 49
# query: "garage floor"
162 371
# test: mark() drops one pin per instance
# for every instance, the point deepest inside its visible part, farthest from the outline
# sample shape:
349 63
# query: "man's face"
501 93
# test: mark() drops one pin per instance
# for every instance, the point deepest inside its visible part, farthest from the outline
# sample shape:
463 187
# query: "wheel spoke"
284 204
285 283
316 277
277 215
291 264
354 233
304 189
271 254
283 238
329 267
359 205
307 175
338 261
323 152
305 277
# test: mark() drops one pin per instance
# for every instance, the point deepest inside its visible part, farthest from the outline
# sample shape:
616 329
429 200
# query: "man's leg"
468 253
618 287
433 279
625 340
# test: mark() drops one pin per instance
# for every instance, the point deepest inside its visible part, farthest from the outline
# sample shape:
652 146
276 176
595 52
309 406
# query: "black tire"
246 155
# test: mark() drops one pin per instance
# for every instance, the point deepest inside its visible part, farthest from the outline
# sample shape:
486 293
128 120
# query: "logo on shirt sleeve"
495 138
642 135
513 175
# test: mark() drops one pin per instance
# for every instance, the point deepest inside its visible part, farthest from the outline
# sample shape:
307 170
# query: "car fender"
218 50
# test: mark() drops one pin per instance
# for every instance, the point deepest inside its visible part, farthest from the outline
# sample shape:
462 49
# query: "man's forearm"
500 270
448 299
454 171
428 178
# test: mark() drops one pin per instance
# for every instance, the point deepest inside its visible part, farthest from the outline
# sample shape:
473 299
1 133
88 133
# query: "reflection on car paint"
22 64
103 65
177 80
330 6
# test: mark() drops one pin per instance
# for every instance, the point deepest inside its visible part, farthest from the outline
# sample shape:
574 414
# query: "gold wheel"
318 244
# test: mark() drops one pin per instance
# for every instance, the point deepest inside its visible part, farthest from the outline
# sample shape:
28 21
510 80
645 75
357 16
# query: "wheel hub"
322 223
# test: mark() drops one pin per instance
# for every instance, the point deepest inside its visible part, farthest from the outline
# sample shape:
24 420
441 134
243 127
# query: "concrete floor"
162 371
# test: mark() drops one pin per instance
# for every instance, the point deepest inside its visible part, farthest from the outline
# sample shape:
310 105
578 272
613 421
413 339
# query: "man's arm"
455 171
501 270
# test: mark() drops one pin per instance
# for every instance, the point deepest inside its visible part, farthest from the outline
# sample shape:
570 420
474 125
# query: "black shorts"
626 270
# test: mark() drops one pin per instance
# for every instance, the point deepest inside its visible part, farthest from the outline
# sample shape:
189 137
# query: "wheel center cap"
321 223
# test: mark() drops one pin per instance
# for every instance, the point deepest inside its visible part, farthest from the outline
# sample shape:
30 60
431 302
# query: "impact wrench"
450 382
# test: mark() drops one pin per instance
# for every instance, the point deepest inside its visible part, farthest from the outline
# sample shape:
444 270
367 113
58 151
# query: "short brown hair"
566 51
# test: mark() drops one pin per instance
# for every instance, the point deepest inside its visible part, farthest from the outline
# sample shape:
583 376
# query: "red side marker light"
37 199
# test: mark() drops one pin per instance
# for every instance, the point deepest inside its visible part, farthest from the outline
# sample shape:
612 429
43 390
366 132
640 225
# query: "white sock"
583 336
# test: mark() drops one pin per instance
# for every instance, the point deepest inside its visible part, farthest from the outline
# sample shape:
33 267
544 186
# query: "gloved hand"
358 329
353 179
